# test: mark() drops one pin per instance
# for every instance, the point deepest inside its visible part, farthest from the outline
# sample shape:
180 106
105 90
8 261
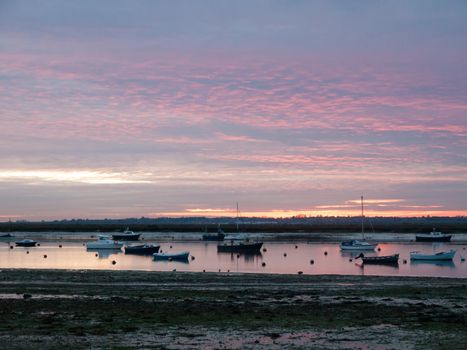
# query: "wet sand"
173 310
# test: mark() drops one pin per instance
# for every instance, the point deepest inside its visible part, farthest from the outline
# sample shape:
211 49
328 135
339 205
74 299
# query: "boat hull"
381 260
126 237
218 237
26 243
109 245
357 246
442 256
174 256
240 248
446 238
142 249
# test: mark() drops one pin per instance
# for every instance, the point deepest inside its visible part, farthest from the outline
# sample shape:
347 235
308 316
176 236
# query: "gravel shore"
50 309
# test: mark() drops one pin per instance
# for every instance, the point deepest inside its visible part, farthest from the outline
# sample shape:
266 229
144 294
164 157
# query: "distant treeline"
290 225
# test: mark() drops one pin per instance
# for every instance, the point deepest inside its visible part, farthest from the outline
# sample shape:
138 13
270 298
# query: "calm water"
73 255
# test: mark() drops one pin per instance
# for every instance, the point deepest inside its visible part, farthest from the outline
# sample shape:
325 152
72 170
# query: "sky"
116 109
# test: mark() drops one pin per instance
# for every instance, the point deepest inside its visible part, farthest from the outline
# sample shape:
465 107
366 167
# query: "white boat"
236 237
356 244
26 243
104 242
171 256
437 256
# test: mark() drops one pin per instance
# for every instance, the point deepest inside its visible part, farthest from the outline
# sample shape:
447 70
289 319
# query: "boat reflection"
103 253
443 263
355 253
166 262
247 257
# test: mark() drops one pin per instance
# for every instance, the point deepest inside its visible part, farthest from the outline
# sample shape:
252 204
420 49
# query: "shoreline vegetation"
50 309
251 225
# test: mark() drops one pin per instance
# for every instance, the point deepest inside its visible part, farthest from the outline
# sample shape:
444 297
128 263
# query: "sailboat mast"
363 227
237 216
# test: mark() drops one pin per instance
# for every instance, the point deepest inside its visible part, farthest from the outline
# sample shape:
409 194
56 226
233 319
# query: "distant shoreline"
457 225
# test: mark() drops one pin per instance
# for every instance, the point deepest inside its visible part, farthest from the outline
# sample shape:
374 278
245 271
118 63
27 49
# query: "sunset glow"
160 108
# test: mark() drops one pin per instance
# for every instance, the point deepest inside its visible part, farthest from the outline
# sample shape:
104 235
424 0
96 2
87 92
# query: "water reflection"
443 263
278 257
176 261
103 253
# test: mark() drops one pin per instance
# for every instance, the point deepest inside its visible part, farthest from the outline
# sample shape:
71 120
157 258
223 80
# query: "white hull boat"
357 245
446 256
171 256
104 242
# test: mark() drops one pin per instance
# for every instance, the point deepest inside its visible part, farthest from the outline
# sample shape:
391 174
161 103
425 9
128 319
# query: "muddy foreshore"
50 309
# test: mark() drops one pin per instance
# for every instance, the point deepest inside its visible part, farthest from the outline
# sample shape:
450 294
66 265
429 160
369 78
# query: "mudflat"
53 309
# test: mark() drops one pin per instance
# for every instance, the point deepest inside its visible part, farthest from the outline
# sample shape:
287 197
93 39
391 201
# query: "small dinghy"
171 256
438 256
141 249
26 243
388 259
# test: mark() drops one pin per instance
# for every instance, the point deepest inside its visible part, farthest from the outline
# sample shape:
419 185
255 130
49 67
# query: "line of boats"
118 241
434 236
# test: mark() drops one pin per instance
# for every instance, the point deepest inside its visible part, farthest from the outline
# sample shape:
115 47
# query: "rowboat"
437 256
388 259
250 248
26 243
433 236
171 256
141 249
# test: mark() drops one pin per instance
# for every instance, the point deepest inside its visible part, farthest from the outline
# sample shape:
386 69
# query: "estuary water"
275 257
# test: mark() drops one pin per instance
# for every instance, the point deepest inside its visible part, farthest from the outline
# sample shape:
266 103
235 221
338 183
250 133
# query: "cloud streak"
261 101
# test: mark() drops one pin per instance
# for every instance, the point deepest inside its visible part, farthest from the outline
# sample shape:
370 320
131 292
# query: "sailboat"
237 236
358 244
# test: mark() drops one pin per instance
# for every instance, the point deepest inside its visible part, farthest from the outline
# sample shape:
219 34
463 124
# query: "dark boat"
142 249
433 236
388 259
219 236
126 235
250 248
26 243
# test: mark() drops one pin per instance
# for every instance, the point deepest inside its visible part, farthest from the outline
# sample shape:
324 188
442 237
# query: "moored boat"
219 236
26 243
171 256
126 235
141 249
433 236
104 242
437 256
358 244
387 259
250 248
